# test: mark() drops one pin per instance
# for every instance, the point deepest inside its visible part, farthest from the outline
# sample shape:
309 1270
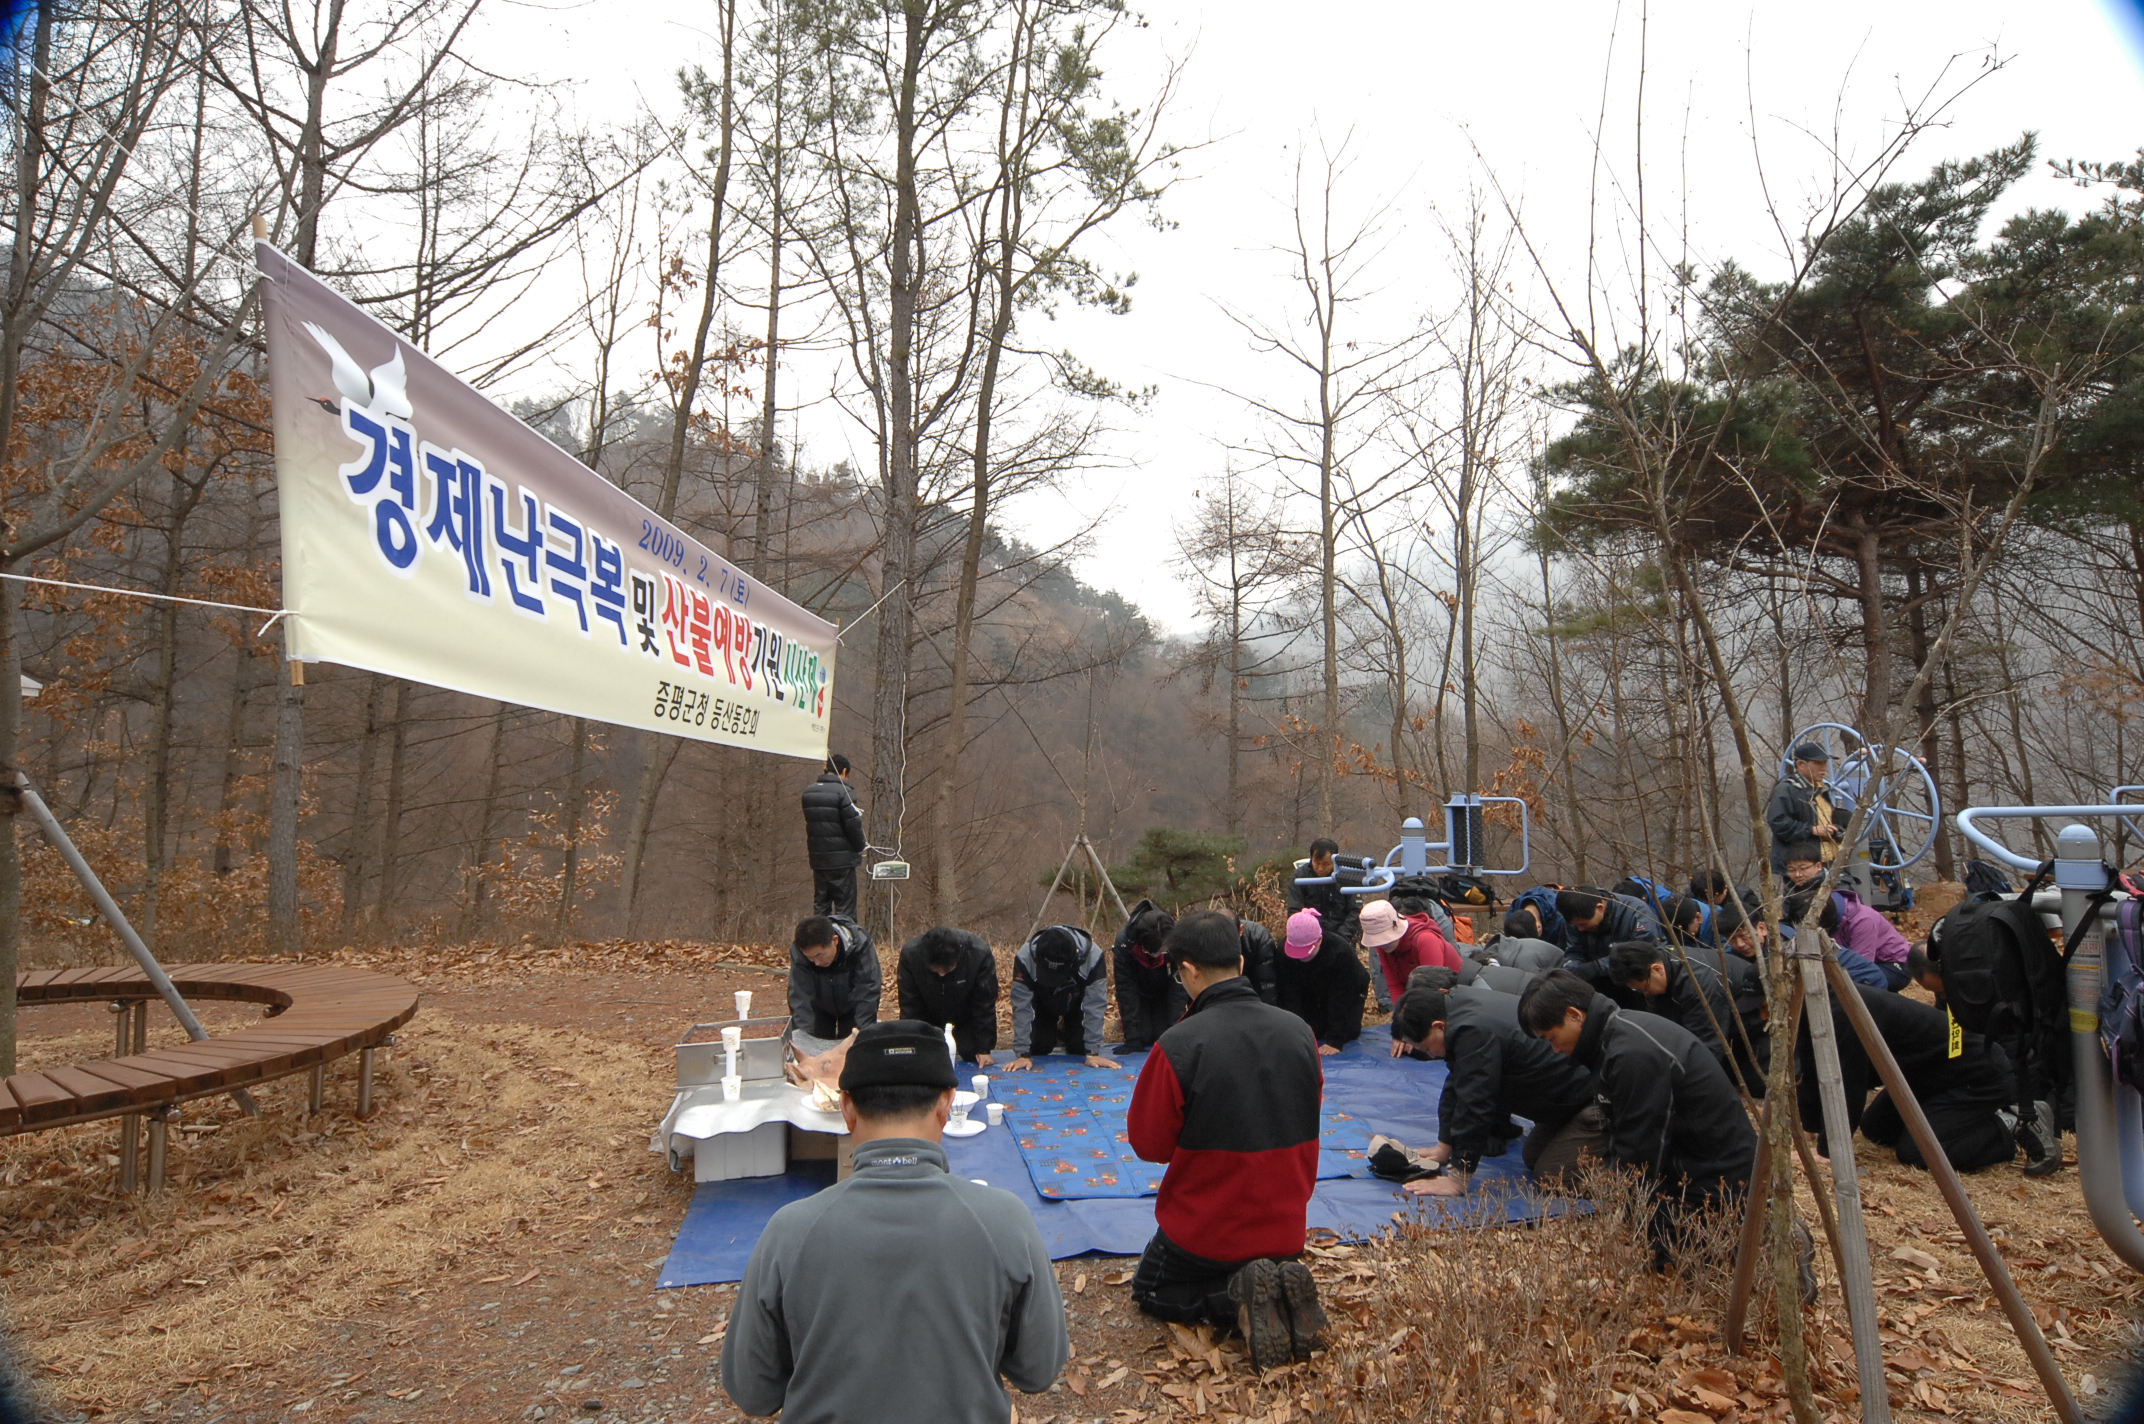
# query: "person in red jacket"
1229 1098
1404 943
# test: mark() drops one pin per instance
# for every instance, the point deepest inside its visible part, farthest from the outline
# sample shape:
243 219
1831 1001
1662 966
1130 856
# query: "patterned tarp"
1069 1121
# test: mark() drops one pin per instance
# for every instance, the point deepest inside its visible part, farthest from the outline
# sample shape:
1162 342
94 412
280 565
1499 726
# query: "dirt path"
485 1247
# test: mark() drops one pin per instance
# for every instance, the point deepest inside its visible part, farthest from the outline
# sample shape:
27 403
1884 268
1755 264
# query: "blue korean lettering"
388 451
519 551
607 588
457 521
568 566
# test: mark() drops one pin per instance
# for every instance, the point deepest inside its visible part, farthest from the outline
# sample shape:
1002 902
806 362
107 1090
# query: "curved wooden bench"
315 1013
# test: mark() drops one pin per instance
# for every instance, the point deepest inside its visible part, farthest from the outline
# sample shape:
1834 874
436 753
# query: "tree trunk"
570 876
232 770
156 788
390 856
769 462
655 759
487 814
360 836
1868 558
889 694
285 935
1926 741
10 850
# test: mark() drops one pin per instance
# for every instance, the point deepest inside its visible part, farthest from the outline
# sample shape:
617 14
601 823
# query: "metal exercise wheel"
1903 803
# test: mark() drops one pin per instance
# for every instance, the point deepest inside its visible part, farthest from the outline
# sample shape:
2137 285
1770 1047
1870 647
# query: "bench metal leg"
364 1082
122 1021
316 1089
141 1026
159 1141
130 1152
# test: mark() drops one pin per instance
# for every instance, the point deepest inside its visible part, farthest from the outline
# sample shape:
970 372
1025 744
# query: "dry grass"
496 1149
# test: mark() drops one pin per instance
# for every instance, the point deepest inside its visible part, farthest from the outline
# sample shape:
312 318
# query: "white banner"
428 534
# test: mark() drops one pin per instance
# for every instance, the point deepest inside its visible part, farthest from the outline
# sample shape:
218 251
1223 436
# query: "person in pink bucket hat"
1404 943
1319 978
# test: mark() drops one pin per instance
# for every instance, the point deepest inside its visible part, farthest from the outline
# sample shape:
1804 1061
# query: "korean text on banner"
429 535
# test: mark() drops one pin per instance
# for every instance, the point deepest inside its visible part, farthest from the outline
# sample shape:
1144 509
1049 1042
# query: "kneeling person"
1060 998
1229 1099
1148 997
810 1333
1319 979
1495 1069
1693 994
949 976
1672 1114
834 980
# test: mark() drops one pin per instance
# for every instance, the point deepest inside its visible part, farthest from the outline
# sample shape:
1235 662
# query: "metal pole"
364 1082
2100 1163
109 908
1859 1279
141 1026
316 1087
1961 1206
159 1142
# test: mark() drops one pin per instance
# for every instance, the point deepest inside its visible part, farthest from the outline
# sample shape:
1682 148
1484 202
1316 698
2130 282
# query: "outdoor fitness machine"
1903 810
1465 845
2110 1114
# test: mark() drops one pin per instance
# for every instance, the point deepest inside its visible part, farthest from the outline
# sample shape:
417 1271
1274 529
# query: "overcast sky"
1429 99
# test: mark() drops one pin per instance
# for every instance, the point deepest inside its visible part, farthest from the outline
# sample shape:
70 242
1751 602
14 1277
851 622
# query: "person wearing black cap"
1801 817
904 1293
1060 998
834 838
1229 1098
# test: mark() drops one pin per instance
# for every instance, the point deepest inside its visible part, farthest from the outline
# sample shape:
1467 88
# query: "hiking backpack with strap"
2001 975
2121 1002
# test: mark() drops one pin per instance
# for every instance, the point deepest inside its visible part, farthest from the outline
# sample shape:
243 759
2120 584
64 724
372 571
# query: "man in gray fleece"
903 1293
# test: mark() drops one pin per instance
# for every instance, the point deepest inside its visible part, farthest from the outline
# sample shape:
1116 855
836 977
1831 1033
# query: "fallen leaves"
1916 1258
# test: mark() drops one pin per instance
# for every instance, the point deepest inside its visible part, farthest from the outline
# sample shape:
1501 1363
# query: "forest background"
1572 499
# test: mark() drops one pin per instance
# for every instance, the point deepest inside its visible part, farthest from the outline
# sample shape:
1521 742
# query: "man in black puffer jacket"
834 838
1673 1116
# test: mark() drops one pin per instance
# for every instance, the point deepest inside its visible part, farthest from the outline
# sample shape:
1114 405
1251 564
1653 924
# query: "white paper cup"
981 1083
960 1114
744 1003
995 1112
732 1089
732 1039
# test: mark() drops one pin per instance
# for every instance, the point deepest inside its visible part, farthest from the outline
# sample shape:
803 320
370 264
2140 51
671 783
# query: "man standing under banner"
834 838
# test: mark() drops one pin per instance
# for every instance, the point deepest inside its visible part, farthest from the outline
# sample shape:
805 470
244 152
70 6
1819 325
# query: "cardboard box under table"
772 1122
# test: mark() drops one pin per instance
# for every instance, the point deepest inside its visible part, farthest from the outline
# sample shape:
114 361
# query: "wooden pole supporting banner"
1961 1206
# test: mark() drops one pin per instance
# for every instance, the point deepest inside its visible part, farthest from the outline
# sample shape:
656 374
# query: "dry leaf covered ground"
484 1248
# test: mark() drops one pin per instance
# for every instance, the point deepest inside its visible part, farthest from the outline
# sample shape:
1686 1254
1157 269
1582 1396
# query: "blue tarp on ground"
1397 1097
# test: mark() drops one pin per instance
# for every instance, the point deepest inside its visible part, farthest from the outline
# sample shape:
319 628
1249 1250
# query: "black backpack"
1983 880
2001 975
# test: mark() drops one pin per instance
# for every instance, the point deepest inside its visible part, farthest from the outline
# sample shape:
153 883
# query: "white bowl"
965 1099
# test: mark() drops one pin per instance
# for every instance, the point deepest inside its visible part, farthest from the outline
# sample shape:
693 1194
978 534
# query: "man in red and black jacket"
1229 1098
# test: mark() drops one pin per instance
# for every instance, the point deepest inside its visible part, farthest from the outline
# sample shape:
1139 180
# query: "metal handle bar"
1964 820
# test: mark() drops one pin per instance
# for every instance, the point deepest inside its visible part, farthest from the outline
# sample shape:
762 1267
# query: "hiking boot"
1262 1313
1306 1318
2042 1141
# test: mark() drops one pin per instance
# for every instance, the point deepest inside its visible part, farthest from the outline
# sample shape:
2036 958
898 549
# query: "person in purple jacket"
1869 933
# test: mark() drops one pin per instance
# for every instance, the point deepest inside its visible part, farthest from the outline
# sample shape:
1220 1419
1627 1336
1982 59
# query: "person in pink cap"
1319 978
1404 943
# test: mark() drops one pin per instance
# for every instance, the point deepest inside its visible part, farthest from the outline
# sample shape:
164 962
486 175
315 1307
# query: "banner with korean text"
428 534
